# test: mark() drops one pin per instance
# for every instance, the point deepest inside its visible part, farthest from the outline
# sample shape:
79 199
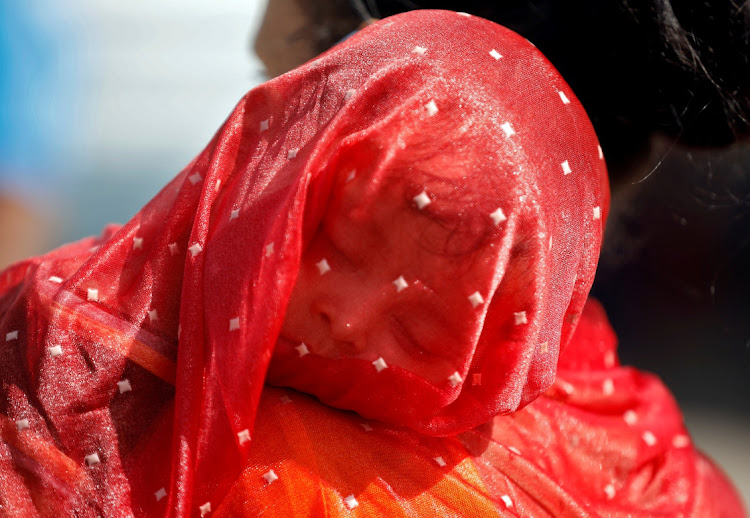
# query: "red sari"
135 363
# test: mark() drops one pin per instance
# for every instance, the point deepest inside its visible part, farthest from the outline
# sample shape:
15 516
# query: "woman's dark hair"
638 66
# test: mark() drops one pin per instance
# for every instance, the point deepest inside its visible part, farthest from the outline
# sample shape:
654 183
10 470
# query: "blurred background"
103 102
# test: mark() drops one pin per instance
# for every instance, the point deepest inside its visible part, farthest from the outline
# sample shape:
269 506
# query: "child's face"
387 293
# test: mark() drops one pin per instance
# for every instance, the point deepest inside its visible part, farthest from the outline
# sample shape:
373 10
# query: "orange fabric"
574 452
322 456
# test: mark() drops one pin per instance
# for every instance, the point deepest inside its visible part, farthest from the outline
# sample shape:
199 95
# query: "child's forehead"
439 217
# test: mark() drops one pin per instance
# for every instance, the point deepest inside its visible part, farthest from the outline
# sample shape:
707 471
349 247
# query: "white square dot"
630 417
520 318
161 493
440 462
55 279
205 508
234 214
153 315
55 351
507 501
137 243
455 379
349 94
351 502
124 386
422 200
173 248
495 54
680 441
609 490
292 153
563 97
22 424
498 216
508 129
93 459
400 284
269 249
649 438
243 436
234 324
566 167
608 387
419 50
92 295
195 249
270 476
302 350
13 335
597 213
380 364
476 299
323 267
195 178
431 108
264 125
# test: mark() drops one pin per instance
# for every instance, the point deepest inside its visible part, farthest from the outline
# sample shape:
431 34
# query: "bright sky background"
104 101
159 77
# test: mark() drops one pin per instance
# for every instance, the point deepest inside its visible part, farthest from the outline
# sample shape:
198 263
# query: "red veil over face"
406 227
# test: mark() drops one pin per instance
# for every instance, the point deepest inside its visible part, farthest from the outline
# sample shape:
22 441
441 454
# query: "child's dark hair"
638 66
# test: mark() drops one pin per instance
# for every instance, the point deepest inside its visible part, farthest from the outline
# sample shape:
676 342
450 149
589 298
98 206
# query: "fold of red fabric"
604 441
406 227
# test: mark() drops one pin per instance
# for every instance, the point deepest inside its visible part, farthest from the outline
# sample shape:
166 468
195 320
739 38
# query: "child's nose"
351 319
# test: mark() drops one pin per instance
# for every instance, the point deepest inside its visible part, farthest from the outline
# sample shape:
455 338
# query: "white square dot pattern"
124 386
323 267
380 364
270 477
351 502
476 299
498 216
400 284
431 108
507 129
422 200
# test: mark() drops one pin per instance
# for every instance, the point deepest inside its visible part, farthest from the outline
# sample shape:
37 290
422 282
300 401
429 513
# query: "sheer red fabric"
406 227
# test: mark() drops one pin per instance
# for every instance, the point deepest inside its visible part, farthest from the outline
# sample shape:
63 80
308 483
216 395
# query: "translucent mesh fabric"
406 227
581 449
